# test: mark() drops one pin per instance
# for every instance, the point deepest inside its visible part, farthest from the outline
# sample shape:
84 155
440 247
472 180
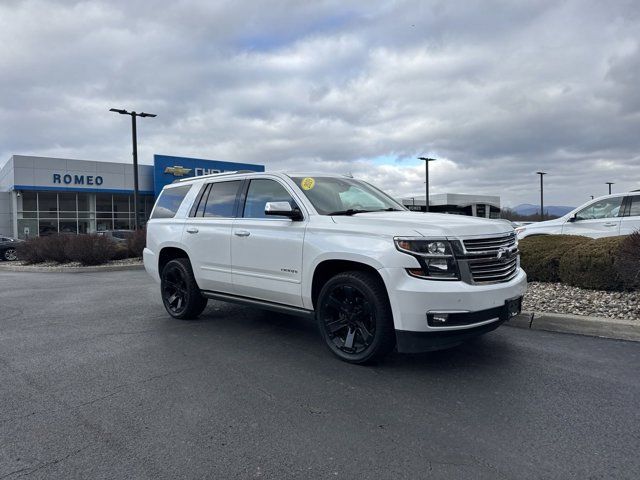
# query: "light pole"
426 177
542 174
134 138
609 183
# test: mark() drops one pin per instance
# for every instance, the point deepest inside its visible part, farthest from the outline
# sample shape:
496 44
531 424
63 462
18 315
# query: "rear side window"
169 202
634 208
221 199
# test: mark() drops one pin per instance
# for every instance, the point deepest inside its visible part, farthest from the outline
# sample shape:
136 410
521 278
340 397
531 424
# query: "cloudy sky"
494 89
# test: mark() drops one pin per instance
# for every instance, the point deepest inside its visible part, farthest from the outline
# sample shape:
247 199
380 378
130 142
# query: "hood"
547 223
425 224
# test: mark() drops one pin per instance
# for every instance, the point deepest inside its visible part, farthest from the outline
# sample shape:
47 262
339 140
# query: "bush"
30 251
90 249
628 261
593 265
120 251
136 243
54 248
540 255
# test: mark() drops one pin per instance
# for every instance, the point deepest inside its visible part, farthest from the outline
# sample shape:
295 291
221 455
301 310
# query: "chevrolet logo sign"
177 170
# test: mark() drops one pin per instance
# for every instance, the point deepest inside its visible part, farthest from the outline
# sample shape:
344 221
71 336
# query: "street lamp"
426 183
609 183
134 137
542 174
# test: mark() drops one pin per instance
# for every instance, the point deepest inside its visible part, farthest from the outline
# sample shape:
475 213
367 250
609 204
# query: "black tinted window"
169 202
262 191
634 209
198 208
221 199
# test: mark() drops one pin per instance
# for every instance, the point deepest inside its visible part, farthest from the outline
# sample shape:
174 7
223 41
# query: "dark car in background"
8 248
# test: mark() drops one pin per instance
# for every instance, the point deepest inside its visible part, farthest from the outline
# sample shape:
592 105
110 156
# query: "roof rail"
234 172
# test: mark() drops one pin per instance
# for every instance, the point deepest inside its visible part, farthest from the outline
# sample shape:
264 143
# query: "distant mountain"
552 210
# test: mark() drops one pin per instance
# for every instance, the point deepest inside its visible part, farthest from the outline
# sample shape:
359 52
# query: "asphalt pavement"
97 381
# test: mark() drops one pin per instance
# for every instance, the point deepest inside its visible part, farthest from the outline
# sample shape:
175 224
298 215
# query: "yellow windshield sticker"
308 183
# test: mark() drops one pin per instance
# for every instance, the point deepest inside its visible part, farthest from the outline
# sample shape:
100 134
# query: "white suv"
372 274
608 216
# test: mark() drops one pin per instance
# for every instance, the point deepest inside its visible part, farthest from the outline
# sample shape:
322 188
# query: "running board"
253 302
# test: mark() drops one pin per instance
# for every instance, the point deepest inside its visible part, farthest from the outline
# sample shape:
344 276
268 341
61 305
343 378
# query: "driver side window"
607 208
262 191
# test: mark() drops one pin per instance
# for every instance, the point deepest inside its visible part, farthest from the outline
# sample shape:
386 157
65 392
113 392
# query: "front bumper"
412 298
478 323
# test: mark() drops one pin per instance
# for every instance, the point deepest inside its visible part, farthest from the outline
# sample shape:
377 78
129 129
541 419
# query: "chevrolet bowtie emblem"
177 171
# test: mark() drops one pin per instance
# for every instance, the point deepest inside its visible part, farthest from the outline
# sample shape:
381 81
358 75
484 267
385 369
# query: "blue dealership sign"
167 169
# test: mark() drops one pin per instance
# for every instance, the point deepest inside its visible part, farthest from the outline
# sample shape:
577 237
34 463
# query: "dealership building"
487 206
44 195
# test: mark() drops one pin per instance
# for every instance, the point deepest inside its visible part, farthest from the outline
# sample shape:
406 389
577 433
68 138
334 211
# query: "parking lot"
96 381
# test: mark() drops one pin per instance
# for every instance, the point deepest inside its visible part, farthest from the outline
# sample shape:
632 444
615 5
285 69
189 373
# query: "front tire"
10 255
180 293
354 317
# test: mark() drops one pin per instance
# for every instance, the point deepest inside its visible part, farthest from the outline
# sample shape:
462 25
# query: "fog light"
440 317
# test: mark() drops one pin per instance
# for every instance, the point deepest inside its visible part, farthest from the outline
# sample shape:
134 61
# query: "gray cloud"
496 90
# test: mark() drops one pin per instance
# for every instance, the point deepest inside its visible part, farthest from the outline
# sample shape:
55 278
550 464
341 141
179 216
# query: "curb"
579 325
97 268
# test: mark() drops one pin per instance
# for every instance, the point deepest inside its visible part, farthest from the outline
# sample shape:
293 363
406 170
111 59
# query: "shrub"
540 255
593 265
136 243
54 248
120 251
628 261
44 249
90 249
30 251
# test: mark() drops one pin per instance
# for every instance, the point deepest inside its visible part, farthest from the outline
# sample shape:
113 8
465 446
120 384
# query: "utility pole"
134 140
542 174
426 177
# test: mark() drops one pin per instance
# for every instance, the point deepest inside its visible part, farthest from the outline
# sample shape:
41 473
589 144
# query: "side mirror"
573 219
283 209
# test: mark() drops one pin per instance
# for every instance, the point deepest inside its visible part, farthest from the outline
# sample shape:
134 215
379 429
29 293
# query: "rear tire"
180 293
354 317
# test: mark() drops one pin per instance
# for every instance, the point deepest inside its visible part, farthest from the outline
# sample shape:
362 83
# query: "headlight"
435 256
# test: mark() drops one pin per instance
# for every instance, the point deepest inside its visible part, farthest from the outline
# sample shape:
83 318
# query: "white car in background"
607 216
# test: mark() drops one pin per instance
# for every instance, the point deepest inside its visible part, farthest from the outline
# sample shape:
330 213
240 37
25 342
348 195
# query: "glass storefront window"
103 203
47 213
47 227
104 224
84 226
68 226
121 203
67 202
47 202
83 202
29 201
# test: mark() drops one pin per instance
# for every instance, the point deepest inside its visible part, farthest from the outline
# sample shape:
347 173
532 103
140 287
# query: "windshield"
344 196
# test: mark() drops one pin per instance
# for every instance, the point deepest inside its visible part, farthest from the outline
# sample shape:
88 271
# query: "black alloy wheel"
10 254
355 318
180 293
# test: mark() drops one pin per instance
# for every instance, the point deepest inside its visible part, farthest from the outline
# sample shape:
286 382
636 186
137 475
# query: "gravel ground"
55 265
559 298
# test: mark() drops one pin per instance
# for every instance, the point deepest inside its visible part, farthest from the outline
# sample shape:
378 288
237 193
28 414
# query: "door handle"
610 224
242 233
192 230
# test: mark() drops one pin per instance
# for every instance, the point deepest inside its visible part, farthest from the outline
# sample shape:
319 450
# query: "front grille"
492 259
490 244
493 269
